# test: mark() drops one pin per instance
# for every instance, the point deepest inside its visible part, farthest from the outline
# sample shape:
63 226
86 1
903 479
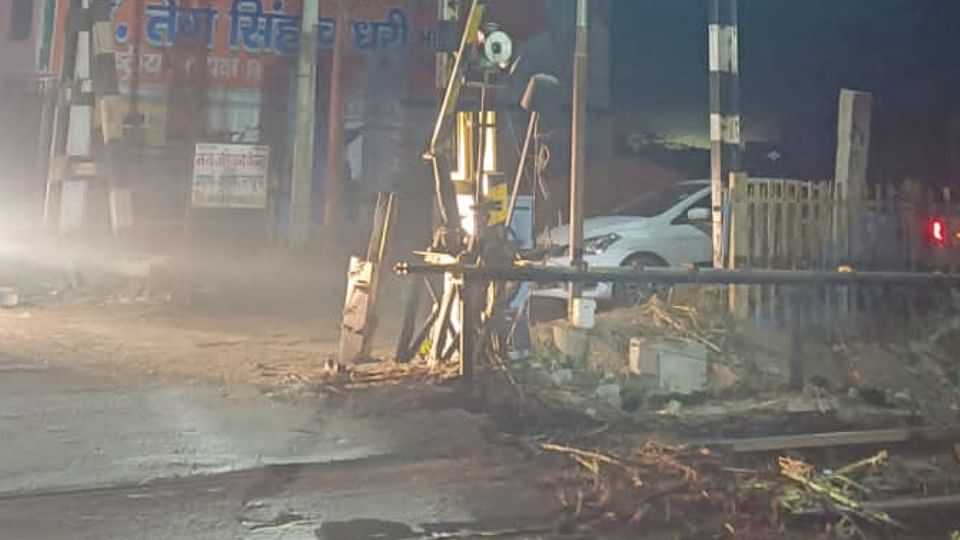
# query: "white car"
670 227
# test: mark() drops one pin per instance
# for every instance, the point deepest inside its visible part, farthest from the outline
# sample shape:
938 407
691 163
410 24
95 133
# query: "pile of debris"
647 486
689 492
694 362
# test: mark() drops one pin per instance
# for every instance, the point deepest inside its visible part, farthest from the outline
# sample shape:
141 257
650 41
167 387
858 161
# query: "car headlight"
598 244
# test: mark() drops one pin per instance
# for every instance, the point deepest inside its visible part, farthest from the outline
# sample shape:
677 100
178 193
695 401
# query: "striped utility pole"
73 127
725 131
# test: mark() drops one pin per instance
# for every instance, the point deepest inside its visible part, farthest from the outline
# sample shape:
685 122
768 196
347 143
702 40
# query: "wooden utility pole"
853 146
578 152
725 139
853 149
336 183
302 182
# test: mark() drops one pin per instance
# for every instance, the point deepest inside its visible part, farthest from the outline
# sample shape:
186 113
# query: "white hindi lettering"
166 23
257 30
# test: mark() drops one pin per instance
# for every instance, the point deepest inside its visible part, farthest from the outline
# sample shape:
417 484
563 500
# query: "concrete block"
642 358
574 343
583 311
678 366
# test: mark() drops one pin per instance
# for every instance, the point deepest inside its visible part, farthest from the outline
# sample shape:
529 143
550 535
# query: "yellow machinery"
472 198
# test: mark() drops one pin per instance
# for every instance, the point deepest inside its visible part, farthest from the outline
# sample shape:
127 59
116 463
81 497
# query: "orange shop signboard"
240 38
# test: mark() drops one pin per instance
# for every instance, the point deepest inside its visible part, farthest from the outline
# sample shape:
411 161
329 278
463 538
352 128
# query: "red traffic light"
937 231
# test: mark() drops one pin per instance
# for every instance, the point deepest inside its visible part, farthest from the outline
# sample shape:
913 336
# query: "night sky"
794 58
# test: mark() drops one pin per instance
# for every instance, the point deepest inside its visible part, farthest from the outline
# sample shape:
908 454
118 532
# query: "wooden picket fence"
802 225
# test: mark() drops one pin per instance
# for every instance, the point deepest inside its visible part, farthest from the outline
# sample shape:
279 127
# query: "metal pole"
446 197
303 146
725 139
578 150
333 205
479 217
737 277
515 191
469 323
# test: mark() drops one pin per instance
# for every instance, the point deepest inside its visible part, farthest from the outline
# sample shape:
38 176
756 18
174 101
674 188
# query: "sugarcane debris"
591 460
682 486
682 319
654 484
834 488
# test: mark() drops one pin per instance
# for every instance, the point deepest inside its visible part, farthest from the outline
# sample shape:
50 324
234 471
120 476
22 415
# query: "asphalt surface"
91 456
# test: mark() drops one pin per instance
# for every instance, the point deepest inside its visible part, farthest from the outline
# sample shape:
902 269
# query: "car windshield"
657 202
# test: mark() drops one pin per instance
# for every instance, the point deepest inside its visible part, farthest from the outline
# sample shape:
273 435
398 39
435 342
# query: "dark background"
795 56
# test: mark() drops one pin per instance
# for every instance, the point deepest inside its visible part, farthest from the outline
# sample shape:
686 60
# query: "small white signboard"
230 175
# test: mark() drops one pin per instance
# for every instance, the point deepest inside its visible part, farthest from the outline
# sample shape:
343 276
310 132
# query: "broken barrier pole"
667 276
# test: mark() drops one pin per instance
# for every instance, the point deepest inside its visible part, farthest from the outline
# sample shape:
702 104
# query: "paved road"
89 456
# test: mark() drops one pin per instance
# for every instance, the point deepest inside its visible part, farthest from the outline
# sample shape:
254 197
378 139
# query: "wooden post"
758 225
853 148
794 248
739 238
796 228
807 223
770 243
753 213
777 241
912 196
817 218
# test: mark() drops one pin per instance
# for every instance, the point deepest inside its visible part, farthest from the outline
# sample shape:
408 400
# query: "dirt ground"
157 341
263 318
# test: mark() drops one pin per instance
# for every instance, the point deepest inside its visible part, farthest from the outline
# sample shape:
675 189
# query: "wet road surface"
86 456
